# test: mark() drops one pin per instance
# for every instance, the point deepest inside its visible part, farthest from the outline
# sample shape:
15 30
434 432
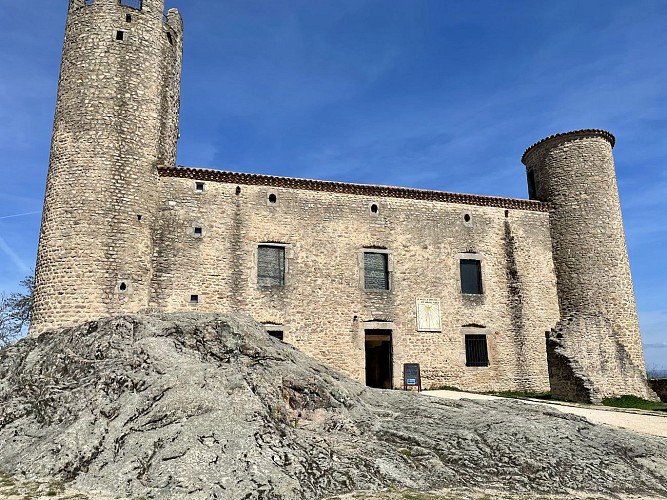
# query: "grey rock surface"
209 406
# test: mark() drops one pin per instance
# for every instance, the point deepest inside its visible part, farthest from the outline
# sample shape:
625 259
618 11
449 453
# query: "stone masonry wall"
323 307
116 120
587 363
574 172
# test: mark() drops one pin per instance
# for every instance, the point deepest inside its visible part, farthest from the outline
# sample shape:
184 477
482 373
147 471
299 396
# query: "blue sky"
437 94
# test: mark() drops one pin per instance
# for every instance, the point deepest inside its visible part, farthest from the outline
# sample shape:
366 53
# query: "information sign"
412 376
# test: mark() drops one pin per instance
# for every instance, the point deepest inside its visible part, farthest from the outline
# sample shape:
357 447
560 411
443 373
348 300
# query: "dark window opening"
135 4
272 198
128 18
507 213
170 38
122 287
194 299
376 271
374 208
238 190
120 35
199 187
466 217
270 265
199 232
532 192
138 217
477 353
471 276
278 334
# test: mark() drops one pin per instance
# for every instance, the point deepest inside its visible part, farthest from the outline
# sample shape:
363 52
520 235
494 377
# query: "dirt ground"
634 420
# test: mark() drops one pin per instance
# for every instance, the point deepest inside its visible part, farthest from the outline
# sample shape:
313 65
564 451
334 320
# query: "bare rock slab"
209 406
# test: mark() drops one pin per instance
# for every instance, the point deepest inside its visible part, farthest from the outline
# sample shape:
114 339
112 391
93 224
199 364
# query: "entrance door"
378 359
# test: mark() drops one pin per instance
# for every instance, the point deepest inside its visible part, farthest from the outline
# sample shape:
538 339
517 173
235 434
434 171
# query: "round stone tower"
574 172
116 121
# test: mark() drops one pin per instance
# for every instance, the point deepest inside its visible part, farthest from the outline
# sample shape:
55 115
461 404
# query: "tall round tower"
574 172
116 121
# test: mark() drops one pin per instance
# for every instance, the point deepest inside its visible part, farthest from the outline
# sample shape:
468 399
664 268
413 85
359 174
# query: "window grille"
476 351
471 276
270 265
376 271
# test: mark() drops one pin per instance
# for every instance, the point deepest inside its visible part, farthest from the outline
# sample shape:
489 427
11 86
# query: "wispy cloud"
13 256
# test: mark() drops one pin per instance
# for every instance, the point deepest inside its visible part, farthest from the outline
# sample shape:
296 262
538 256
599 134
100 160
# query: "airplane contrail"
19 215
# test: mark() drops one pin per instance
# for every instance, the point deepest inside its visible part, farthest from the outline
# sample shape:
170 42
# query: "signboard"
412 376
428 315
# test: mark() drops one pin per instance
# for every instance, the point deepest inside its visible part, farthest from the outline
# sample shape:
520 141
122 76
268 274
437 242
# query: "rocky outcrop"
588 364
659 386
203 407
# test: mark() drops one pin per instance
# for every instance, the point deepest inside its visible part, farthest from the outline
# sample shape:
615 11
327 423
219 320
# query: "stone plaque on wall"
428 315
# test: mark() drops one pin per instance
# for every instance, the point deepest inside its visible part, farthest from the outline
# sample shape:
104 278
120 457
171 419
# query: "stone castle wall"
124 230
575 174
588 364
323 305
116 120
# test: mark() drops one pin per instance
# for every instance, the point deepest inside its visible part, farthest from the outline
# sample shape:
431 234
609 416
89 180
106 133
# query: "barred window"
376 271
270 265
476 351
471 276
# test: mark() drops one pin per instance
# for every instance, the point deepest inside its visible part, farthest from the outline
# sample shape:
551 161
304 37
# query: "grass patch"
520 394
634 402
445 388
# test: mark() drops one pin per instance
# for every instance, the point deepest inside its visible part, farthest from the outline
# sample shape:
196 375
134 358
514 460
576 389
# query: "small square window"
120 35
278 334
270 265
199 232
194 299
471 276
376 271
199 187
477 353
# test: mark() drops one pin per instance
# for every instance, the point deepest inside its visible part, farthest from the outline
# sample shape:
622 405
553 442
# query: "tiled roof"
205 174
587 132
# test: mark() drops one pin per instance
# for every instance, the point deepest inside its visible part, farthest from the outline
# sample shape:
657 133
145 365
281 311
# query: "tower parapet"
574 172
116 121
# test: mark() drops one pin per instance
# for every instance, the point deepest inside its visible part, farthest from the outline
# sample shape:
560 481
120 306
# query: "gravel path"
635 420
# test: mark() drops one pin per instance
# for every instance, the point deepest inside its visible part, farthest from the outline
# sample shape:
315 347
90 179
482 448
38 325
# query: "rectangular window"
532 192
270 265
471 276
376 271
120 35
476 351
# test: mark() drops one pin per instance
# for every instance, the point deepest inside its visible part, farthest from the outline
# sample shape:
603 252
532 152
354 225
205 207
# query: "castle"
364 278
